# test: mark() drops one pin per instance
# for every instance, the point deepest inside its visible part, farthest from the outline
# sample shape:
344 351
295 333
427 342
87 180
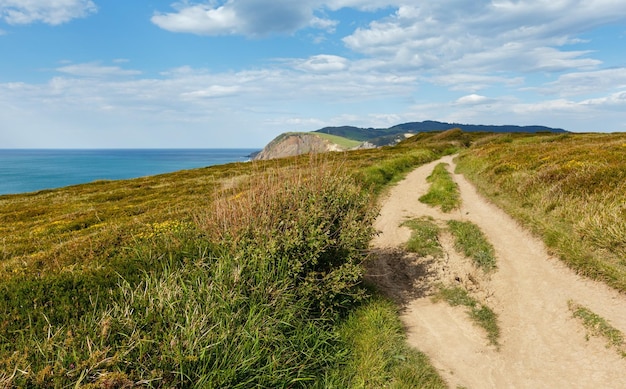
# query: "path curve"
542 345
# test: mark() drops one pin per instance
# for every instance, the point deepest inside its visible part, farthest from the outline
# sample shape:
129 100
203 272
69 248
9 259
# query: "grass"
480 314
598 326
380 357
471 241
568 189
424 237
339 140
237 275
443 191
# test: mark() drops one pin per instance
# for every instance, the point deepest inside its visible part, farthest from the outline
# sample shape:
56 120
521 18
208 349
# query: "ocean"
23 170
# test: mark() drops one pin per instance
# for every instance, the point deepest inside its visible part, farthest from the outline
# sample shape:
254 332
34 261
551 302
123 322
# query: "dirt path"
542 345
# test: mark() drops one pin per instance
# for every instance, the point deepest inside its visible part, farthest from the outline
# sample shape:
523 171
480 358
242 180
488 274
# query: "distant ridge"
350 137
368 134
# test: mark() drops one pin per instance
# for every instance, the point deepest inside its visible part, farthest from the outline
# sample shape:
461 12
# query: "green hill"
368 134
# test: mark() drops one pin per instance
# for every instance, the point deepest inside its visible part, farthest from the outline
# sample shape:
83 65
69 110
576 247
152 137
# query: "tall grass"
569 189
247 298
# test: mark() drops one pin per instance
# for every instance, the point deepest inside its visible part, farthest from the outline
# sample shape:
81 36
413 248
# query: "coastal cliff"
296 143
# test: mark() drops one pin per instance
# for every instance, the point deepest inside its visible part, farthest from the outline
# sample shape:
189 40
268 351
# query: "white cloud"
473 99
244 17
486 36
474 82
579 83
614 101
213 91
95 69
53 12
323 63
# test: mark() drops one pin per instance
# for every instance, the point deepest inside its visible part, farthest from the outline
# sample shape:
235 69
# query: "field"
230 276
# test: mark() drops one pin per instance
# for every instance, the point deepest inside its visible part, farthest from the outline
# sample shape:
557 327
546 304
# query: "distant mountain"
369 134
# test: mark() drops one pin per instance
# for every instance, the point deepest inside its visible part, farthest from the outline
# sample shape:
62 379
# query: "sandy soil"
542 345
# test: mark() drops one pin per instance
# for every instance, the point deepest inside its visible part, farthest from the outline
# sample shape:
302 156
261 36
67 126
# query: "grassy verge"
424 237
568 189
443 191
480 314
598 326
471 241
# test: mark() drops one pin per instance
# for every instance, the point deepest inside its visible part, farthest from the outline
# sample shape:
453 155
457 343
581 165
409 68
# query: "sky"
237 73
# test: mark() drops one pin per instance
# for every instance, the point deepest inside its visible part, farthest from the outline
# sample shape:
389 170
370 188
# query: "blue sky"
236 73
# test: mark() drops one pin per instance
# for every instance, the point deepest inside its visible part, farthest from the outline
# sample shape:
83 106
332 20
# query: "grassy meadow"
569 189
240 275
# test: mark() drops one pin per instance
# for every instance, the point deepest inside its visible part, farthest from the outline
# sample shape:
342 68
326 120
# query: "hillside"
295 143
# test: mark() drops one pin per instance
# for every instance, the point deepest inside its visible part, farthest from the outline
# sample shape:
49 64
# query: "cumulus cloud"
486 36
53 12
243 17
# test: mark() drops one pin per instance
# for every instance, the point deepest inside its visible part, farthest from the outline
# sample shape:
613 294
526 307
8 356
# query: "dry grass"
569 189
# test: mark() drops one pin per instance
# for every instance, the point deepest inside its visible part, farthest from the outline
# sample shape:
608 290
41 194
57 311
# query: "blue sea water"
24 170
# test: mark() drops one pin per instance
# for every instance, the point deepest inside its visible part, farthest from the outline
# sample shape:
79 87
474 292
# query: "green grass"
443 191
480 314
568 189
471 241
424 237
237 275
380 357
339 140
598 326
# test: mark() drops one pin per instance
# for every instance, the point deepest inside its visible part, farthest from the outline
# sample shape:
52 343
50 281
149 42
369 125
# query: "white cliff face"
291 144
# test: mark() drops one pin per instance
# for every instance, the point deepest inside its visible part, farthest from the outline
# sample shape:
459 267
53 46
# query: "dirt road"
542 344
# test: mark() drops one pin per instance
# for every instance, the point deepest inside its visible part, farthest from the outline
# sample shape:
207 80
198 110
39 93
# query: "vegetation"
568 189
480 314
380 355
598 326
339 140
424 237
231 276
443 191
471 241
